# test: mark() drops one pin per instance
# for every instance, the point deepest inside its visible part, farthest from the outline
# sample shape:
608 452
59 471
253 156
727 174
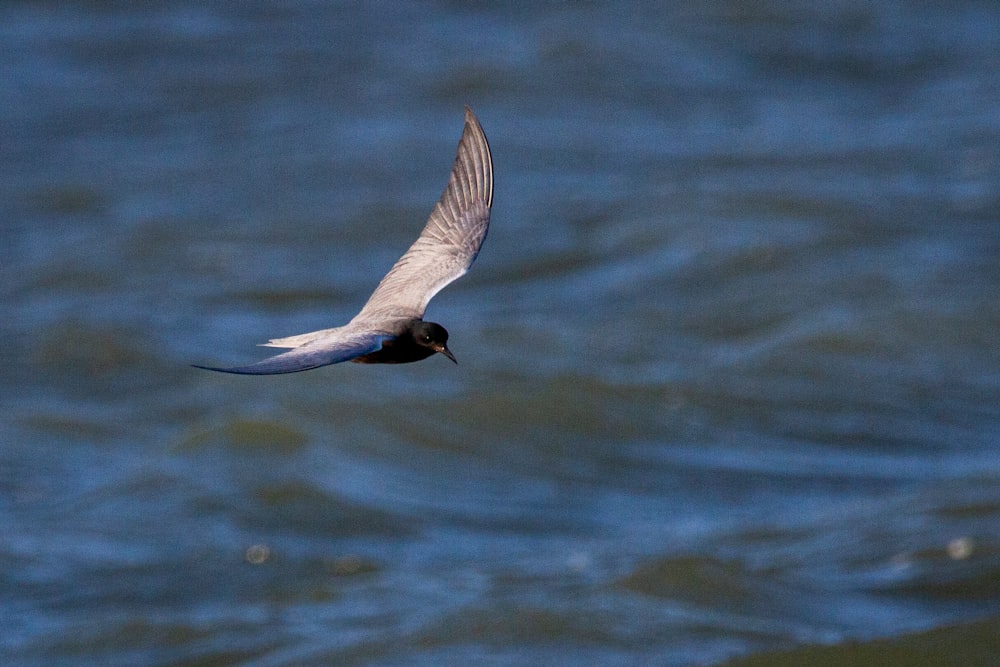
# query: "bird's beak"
443 349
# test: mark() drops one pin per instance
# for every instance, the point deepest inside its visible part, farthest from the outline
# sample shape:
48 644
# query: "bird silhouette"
390 328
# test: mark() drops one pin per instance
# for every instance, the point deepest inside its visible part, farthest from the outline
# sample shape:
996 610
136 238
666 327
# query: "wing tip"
484 180
212 368
235 370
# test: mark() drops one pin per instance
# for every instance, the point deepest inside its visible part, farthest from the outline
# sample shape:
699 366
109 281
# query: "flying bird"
390 328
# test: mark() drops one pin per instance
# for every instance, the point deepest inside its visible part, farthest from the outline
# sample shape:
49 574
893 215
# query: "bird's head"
434 336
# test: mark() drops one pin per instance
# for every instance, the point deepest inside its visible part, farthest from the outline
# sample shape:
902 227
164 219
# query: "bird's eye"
427 338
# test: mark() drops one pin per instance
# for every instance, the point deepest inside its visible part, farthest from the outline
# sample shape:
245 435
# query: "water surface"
729 375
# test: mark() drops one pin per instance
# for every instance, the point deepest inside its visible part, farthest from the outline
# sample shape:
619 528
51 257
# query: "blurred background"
729 381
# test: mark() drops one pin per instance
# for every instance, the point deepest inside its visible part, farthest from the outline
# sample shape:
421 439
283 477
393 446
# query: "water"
729 375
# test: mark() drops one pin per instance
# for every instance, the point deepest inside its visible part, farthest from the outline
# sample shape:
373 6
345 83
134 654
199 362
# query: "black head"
433 336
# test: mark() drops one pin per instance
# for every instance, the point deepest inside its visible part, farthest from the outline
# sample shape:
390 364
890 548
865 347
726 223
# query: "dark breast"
400 350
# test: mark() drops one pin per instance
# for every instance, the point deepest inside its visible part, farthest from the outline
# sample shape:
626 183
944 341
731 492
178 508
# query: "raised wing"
322 352
451 239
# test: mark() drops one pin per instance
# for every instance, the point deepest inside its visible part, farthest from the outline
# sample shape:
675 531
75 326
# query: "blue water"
729 375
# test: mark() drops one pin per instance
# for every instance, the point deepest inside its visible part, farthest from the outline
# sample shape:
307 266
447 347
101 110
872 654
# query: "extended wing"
450 240
322 352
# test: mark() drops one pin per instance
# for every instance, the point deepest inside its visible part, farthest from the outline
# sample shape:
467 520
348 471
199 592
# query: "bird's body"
390 328
417 340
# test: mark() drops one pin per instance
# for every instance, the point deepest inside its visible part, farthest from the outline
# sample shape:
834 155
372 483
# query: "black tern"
390 328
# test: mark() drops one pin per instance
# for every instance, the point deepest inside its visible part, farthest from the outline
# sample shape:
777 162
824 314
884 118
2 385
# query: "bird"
390 329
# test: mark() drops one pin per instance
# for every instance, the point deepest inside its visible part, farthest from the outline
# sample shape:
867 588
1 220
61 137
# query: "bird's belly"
395 352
